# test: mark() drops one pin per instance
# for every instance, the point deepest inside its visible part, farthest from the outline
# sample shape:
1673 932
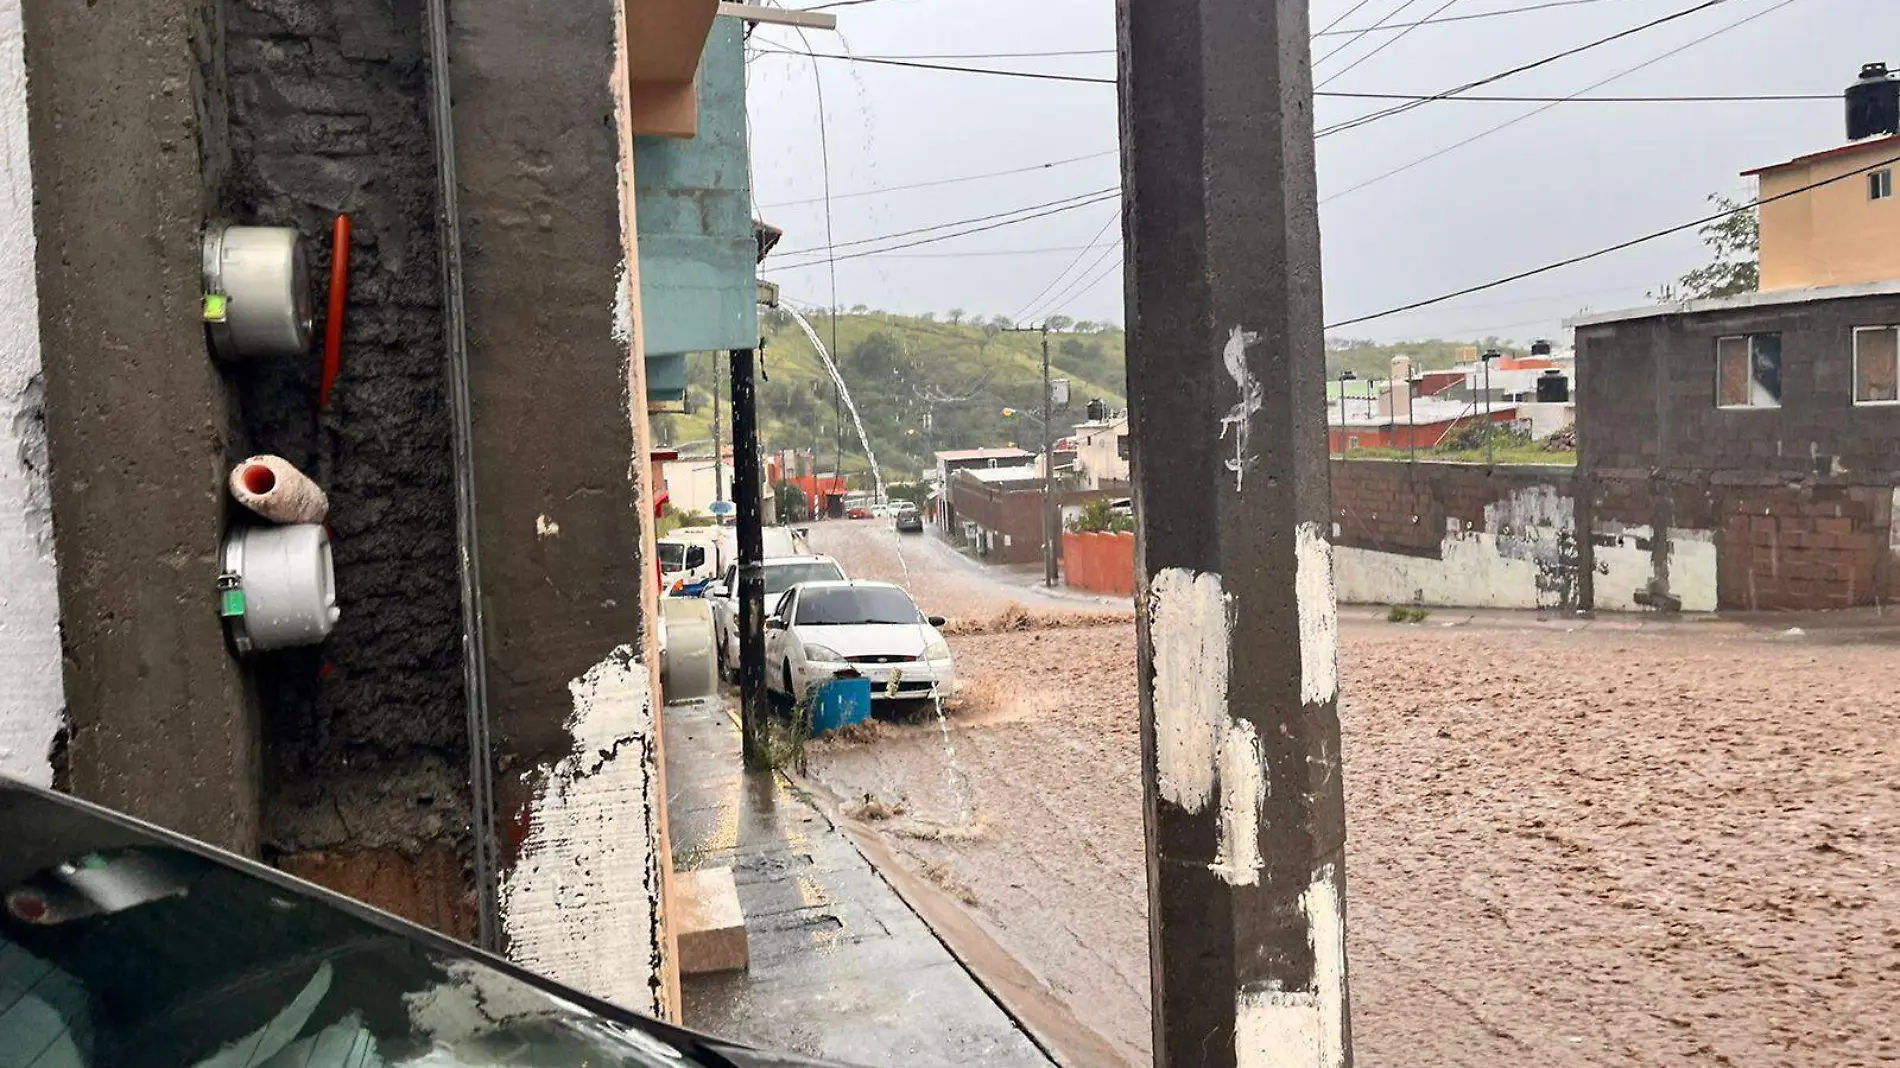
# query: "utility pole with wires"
719 448
1051 526
1486 359
1237 627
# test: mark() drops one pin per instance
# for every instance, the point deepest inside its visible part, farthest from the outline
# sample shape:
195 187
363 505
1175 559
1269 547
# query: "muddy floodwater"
1607 844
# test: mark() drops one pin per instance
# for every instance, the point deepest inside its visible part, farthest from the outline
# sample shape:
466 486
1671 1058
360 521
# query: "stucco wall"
31 695
1834 235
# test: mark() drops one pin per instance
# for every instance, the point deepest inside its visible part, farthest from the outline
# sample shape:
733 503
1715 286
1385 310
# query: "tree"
1058 323
789 501
955 316
1734 242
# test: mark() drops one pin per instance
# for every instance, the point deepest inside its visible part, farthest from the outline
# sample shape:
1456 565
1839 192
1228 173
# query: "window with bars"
1748 371
1880 184
1876 365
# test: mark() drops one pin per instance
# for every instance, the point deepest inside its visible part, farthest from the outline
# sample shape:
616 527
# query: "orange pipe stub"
339 302
273 488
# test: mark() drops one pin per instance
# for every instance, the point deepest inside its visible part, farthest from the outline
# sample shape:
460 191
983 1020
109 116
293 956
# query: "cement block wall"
366 737
1646 397
1512 537
1456 534
32 699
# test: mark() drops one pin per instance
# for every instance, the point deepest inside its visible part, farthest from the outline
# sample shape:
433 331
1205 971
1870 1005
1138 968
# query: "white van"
691 557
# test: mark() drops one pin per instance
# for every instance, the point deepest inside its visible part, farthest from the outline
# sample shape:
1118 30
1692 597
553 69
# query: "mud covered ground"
1568 845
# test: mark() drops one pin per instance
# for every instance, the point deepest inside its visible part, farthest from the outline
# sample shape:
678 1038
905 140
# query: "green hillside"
920 386
923 384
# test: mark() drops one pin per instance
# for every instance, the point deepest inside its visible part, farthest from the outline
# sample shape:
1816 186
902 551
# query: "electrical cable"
1652 61
1111 195
1079 257
966 178
1350 12
1618 247
1400 109
1061 204
1356 38
1383 45
1071 292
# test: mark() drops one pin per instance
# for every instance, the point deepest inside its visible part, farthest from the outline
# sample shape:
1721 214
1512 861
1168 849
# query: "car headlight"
822 655
937 650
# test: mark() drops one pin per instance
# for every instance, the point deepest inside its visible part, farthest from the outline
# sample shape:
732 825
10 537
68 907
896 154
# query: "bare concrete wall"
124 118
542 153
366 736
31 694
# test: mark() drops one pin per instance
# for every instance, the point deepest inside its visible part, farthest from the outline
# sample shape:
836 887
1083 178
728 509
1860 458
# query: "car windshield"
782 577
845 605
672 556
121 950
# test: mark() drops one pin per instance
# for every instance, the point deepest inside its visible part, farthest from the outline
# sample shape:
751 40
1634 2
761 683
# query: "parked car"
909 520
858 511
126 946
820 630
781 574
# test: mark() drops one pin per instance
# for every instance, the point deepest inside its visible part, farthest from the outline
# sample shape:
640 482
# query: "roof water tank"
1098 411
1540 347
1873 103
1553 387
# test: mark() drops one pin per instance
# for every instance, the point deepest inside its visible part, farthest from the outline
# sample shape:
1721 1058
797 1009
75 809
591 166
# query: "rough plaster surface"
1302 1028
582 901
31 695
1626 565
329 113
1522 557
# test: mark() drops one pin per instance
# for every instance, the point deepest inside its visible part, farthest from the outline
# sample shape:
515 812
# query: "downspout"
481 768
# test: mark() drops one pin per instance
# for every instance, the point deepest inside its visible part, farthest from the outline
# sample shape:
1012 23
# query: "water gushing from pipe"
837 379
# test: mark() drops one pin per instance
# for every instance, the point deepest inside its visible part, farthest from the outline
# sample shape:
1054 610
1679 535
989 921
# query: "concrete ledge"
709 922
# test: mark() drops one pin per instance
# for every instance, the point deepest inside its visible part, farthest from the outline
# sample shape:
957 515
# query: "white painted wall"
31 694
1512 561
1626 567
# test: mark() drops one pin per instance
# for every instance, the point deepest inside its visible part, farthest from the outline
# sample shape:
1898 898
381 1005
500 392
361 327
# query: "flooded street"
1568 844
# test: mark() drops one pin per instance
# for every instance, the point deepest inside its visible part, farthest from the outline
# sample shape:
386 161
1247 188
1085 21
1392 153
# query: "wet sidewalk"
841 968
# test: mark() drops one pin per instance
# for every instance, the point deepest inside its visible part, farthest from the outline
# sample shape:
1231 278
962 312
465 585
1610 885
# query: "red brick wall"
1099 563
1806 548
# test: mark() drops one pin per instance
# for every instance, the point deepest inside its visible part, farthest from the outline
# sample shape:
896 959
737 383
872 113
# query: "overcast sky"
1570 179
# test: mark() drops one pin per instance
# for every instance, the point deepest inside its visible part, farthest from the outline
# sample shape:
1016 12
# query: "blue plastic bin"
840 703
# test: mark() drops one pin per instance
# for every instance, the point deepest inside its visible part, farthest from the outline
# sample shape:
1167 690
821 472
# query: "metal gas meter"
277 589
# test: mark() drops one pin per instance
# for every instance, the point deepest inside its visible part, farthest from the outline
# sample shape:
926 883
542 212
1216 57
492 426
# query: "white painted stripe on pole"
1319 615
1301 1028
1242 790
1188 629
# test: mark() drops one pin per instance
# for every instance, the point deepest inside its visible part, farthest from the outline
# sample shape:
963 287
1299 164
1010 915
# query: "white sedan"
820 630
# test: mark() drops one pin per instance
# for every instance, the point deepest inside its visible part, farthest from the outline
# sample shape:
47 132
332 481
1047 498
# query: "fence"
1099 563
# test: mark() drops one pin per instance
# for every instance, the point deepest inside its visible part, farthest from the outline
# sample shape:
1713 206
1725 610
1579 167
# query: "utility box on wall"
698 249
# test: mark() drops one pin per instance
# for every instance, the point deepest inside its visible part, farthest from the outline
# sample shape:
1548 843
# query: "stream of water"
824 354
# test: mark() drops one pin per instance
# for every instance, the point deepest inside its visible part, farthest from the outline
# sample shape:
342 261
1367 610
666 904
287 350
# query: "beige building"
1101 452
1842 233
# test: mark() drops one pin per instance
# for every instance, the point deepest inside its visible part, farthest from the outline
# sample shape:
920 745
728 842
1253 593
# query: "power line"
1400 109
1383 45
1618 247
1539 111
993 252
1414 99
1031 302
1083 282
1327 31
1079 198
1357 37
966 178
1109 195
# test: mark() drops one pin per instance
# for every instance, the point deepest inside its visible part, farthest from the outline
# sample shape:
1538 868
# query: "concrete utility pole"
751 593
1051 528
1488 425
1237 625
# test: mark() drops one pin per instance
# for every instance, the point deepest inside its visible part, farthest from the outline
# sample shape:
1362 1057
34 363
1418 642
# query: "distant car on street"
909 520
781 574
126 946
860 511
818 631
